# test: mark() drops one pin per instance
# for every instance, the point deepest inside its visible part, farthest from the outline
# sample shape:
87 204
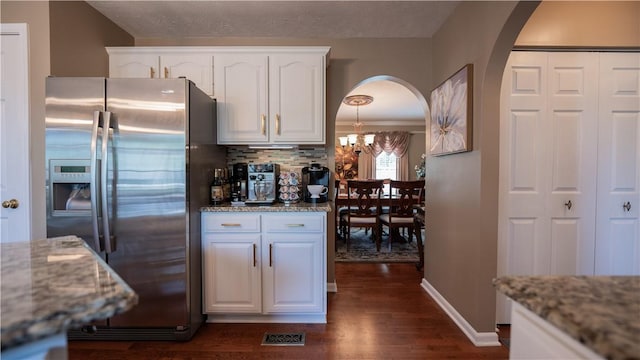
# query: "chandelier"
358 140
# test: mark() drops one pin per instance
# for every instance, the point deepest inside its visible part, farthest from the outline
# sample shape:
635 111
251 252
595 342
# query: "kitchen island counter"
276 207
52 285
600 312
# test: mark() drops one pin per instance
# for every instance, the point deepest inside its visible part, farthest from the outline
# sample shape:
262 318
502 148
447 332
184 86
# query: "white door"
524 224
547 166
570 138
618 228
15 192
548 137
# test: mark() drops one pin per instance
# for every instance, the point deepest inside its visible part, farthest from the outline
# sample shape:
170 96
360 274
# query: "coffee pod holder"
289 187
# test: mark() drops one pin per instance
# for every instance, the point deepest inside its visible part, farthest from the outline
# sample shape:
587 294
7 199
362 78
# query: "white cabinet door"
293 262
617 223
134 65
232 279
297 98
241 90
195 67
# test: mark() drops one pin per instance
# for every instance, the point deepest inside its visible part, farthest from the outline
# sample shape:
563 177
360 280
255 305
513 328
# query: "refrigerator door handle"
94 178
108 248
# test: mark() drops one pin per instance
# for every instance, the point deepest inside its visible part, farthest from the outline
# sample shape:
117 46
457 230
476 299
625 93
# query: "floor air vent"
284 339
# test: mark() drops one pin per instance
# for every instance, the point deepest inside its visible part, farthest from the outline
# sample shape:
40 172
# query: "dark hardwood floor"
379 312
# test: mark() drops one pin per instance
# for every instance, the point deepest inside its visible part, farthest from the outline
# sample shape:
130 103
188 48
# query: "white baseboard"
478 339
332 287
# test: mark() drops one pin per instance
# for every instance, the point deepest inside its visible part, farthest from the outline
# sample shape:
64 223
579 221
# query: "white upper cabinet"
271 96
163 63
265 95
241 91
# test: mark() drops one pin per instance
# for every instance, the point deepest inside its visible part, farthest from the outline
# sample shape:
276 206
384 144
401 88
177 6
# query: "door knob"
568 204
13 204
627 206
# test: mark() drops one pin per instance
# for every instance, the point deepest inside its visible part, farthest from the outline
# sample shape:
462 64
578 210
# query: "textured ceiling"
312 19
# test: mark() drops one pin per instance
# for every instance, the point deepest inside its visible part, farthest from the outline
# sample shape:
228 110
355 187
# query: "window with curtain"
396 143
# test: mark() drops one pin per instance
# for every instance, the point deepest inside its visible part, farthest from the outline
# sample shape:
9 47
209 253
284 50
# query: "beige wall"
79 34
583 24
462 189
461 196
36 15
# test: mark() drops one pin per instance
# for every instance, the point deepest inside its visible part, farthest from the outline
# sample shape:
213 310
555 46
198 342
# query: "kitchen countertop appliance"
261 183
239 184
315 175
117 177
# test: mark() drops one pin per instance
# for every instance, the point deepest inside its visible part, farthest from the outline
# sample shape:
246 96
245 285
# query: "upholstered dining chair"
364 207
407 193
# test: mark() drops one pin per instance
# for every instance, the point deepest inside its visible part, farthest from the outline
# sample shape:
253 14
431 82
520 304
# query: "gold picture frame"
451 106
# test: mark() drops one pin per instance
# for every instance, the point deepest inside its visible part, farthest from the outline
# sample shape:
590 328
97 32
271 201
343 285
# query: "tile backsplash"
288 159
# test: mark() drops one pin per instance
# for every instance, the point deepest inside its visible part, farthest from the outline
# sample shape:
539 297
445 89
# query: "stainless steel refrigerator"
129 163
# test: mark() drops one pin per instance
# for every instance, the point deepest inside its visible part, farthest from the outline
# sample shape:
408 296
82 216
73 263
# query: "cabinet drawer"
293 223
232 222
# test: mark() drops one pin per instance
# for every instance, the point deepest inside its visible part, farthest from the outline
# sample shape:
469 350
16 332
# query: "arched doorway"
397 106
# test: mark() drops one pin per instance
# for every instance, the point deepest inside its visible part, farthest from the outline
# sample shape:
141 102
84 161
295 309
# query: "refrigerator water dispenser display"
70 187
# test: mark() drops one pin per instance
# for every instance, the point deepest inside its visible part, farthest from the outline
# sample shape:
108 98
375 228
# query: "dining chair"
401 208
364 208
341 211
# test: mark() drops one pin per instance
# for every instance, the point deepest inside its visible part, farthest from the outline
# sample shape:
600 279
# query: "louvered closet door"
618 229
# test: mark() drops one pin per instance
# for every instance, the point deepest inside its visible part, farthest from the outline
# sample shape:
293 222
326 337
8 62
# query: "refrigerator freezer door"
146 194
71 104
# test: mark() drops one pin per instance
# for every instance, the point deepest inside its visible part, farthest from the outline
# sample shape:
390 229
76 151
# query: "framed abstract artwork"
452 113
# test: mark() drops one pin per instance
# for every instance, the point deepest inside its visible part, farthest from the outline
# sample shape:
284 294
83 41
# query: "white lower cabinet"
535 338
264 267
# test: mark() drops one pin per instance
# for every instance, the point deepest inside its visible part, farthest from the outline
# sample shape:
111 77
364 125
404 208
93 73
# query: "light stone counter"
600 312
276 207
52 285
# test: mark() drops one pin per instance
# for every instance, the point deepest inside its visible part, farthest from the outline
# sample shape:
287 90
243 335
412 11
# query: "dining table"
342 200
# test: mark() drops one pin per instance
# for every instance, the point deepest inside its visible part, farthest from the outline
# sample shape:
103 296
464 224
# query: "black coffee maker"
239 182
315 174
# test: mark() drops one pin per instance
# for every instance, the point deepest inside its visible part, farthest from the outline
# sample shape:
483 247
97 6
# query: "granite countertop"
601 312
51 285
276 207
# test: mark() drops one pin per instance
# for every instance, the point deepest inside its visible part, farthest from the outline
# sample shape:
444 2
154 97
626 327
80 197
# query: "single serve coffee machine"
315 174
261 183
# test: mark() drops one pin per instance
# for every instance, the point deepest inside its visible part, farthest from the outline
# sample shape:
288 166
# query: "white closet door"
571 138
618 229
524 225
548 168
